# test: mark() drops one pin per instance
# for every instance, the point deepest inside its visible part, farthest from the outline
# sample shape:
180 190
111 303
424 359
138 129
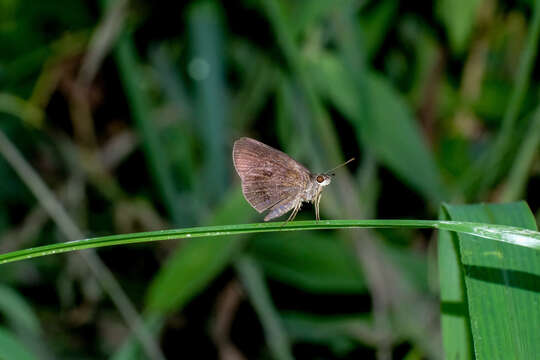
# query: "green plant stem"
508 234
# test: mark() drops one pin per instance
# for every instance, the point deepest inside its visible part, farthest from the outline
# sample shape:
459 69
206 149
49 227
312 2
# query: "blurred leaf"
310 261
341 333
413 265
11 348
454 155
502 284
140 107
317 130
426 72
495 161
206 67
259 80
27 25
25 110
492 100
131 348
307 14
376 23
197 262
396 138
390 131
458 16
276 336
528 150
18 312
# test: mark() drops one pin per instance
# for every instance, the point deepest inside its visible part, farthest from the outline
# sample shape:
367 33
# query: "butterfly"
272 180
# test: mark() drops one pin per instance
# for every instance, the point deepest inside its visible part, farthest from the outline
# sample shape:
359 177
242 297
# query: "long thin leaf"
507 234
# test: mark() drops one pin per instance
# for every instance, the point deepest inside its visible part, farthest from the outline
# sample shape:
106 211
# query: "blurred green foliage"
128 111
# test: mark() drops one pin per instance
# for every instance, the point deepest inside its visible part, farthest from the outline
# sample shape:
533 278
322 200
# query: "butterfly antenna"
340 165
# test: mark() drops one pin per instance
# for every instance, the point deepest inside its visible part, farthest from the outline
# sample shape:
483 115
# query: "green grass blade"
508 234
456 331
502 284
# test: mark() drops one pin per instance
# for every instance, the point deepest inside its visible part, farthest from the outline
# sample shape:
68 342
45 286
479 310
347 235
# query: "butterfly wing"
268 176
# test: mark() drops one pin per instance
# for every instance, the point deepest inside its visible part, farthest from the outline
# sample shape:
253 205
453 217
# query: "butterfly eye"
320 179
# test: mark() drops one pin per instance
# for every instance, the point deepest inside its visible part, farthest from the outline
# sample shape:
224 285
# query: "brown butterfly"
272 180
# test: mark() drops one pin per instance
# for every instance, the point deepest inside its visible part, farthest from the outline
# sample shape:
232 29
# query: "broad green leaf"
310 261
12 348
502 284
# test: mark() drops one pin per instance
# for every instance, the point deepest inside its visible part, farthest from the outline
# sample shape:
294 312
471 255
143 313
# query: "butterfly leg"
317 216
294 212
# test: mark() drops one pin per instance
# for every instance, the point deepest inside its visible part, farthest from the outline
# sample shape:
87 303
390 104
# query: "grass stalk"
508 234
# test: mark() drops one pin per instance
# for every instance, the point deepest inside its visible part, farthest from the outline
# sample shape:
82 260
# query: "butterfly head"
323 179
